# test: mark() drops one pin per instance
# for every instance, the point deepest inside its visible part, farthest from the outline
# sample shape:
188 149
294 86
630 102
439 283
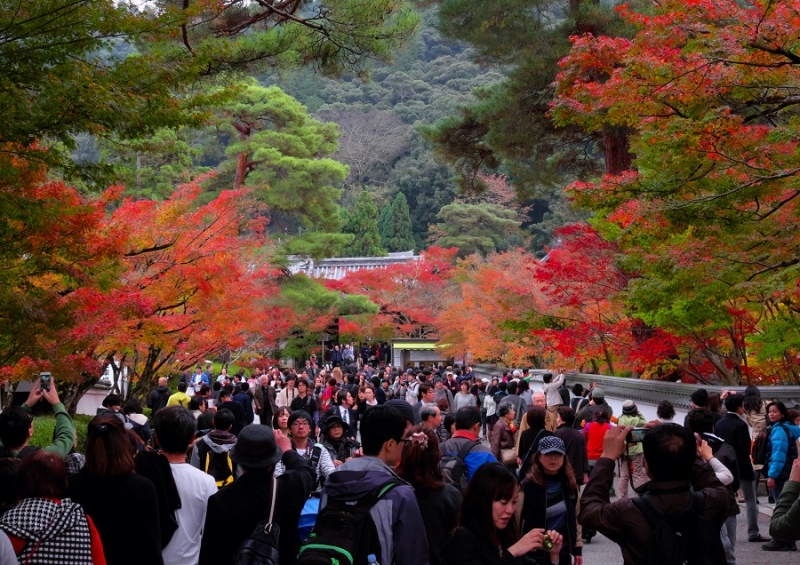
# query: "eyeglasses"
306 424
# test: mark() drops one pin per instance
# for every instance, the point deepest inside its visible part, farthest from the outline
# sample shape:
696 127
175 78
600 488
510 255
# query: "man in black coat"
734 431
246 501
159 397
574 441
344 409
226 402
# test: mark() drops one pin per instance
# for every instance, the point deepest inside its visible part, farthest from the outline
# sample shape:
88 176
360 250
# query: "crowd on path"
362 463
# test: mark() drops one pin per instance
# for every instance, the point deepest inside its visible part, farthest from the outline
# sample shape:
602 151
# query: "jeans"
729 529
749 491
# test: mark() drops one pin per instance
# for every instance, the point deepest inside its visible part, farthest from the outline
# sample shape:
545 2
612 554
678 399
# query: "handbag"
508 456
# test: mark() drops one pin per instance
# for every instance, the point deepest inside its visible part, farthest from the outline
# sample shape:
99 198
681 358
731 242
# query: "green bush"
43 427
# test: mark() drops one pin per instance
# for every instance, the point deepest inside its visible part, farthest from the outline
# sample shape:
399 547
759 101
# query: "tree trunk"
617 150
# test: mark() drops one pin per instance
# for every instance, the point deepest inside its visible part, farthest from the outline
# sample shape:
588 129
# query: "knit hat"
552 444
700 397
629 408
401 407
598 394
256 448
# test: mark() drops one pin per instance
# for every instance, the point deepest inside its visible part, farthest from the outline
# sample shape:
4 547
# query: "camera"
44 380
636 435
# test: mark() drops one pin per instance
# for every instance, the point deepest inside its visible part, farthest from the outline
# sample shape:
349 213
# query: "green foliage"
476 228
395 230
363 224
509 126
44 426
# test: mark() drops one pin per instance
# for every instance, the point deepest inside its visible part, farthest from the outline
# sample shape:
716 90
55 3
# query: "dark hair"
665 410
175 428
109 452
420 466
670 451
449 420
41 475
752 399
547 377
565 474
132 406
566 414
714 402
502 386
8 486
223 420
467 417
216 386
301 381
536 417
601 416
733 402
14 425
280 411
577 389
782 408
793 414
379 425
245 387
204 389
181 387
424 388
700 421
205 421
112 400
224 393
195 403
490 483
341 396
443 404
300 415
511 388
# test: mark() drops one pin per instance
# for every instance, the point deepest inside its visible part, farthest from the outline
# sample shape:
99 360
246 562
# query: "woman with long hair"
438 500
550 496
529 439
487 527
783 435
122 504
45 527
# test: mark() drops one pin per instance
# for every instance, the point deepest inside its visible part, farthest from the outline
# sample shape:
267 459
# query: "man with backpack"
365 507
681 511
464 446
212 452
157 399
235 511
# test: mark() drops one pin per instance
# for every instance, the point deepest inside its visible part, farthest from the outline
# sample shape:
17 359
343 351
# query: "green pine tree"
397 234
362 223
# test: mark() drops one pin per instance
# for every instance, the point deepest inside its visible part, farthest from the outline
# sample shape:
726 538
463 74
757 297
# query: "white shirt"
551 390
194 487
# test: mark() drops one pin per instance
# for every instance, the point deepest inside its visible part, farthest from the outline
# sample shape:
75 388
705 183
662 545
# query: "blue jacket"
779 447
396 515
477 456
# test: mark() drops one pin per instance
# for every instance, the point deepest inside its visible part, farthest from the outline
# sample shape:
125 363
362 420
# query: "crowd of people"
423 466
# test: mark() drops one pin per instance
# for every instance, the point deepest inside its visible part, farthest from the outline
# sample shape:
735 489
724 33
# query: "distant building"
338 267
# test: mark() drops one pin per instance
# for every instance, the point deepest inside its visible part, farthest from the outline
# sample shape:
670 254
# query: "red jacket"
595 433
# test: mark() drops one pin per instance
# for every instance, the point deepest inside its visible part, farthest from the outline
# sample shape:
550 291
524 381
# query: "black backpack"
454 467
760 450
261 548
681 535
345 532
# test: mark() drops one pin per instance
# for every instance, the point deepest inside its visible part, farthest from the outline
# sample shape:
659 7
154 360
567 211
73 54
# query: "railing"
647 394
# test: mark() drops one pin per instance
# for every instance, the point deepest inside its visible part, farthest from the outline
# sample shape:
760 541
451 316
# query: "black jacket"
235 511
158 399
575 442
352 415
534 515
734 431
239 418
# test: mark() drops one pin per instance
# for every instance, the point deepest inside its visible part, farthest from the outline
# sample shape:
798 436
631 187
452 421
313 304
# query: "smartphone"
44 381
636 435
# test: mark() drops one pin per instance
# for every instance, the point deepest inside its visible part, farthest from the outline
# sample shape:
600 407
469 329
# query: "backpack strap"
465 449
648 510
530 449
316 453
268 527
